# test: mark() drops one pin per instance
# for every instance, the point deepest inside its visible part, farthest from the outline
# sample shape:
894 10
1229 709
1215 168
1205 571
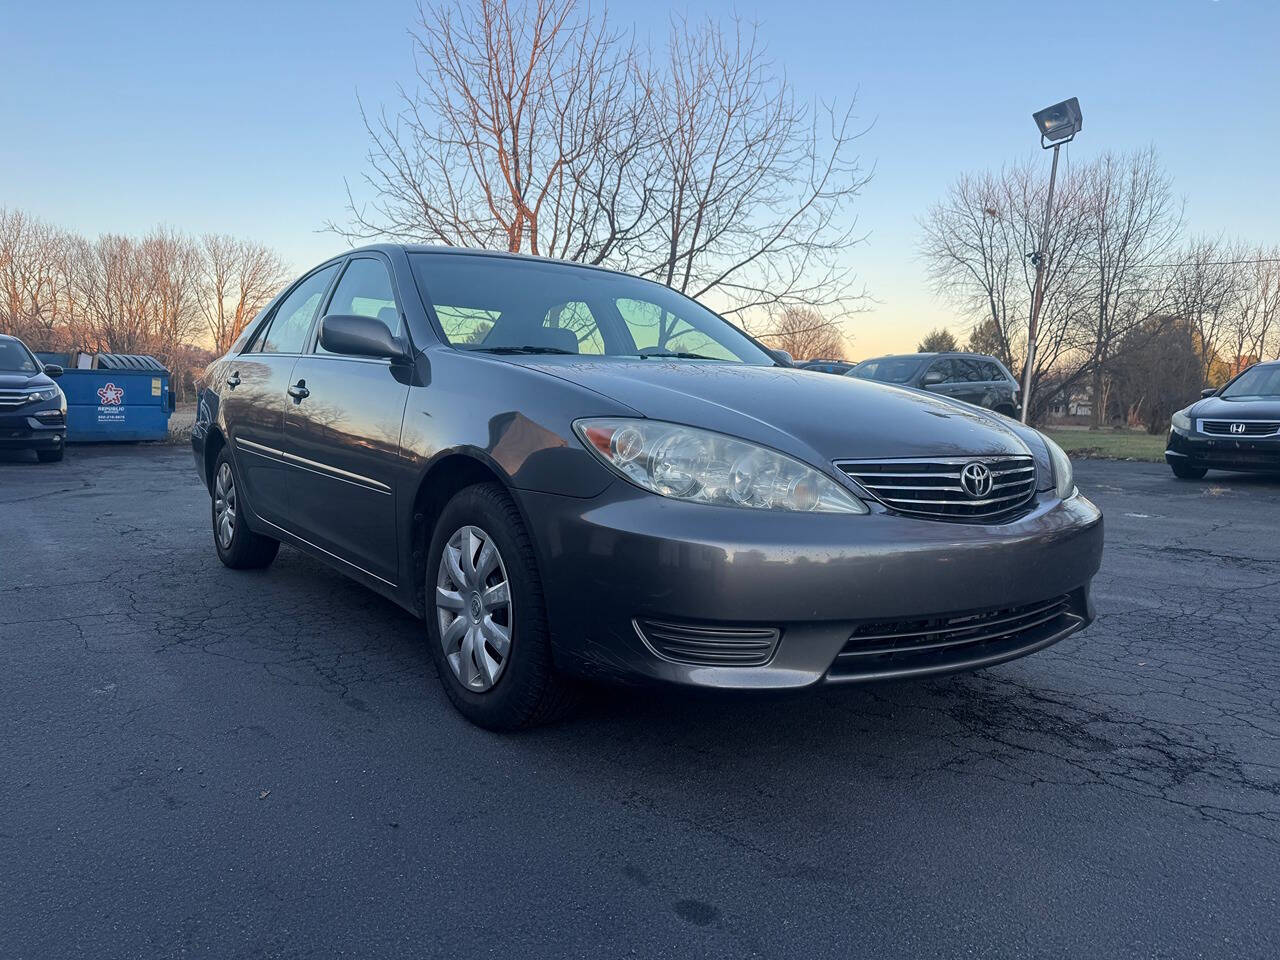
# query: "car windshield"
886 369
15 358
503 305
1257 381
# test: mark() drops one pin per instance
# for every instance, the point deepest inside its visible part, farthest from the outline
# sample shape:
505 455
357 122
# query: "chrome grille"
931 487
709 645
1246 428
12 399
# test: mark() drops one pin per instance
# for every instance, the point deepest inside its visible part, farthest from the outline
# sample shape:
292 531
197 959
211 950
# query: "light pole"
1058 124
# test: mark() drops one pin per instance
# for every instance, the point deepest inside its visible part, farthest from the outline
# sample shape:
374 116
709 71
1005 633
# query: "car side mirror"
360 337
933 378
784 358
1208 391
52 370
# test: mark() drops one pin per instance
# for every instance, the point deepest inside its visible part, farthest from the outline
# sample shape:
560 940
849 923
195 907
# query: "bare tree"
805 334
172 264
35 301
238 278
161 293
521 135
975 244
1204 285
752 193
1133 227
1252 327
113 287
536 127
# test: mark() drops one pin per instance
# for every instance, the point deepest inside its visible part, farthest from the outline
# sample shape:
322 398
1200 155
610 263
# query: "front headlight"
37 396
1063 476
686 463
1181 421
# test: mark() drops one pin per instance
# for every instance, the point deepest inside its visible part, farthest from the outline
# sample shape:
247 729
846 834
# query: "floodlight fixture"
1059 123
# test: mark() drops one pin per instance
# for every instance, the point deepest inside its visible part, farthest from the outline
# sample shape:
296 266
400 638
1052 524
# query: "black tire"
1183 472
528 691
50 456
244 549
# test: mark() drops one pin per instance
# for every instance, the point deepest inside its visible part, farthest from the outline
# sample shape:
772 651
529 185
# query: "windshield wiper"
677 354
527 348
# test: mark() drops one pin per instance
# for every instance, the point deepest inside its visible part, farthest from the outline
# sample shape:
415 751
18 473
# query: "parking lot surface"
201 762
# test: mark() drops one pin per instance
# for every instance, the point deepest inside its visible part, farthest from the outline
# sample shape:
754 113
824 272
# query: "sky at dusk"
243 118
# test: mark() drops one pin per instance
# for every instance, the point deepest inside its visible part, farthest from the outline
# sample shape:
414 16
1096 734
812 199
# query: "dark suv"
971 377
33 411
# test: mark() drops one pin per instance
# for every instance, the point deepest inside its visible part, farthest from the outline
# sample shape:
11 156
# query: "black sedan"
572 472
1234 428
33 411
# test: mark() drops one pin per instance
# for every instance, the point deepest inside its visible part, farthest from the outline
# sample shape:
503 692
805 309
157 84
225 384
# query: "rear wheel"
49 456
486 618
238 547
1184 472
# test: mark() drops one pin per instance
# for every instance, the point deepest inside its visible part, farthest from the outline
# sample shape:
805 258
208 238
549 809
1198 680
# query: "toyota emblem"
977 480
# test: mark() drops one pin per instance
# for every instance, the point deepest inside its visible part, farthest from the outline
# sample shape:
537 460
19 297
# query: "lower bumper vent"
950 641
709 646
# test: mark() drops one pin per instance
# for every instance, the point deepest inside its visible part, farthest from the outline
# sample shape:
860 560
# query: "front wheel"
1184 472
486 618
238 547
50 456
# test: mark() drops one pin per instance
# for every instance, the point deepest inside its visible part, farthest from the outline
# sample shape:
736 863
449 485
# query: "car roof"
931 356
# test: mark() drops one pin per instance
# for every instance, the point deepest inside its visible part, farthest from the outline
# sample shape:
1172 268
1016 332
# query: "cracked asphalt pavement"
206 763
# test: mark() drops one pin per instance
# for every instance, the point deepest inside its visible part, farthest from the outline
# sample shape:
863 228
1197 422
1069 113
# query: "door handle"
299 391
233 381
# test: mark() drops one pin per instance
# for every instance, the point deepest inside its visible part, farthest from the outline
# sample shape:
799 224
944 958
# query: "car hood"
18 381
1220 408
817 416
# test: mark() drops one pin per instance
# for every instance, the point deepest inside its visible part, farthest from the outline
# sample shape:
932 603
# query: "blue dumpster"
124 397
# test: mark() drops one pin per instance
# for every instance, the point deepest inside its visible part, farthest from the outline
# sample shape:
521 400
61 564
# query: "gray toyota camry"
571 473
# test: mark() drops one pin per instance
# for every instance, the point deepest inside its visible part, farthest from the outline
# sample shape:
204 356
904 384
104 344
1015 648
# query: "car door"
253 395
964 380
342 432
998 389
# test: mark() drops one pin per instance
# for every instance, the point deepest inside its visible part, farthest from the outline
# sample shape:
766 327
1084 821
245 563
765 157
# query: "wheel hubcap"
473 608
224 506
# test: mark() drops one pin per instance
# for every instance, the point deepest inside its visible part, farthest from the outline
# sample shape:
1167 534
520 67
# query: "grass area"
1110 444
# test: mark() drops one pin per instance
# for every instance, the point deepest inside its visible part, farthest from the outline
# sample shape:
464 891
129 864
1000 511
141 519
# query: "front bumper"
25 431
627 557
1220 453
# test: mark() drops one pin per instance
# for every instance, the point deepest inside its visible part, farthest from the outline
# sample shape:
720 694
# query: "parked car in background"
838 367
33 411
571 471
972 377
1234 428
